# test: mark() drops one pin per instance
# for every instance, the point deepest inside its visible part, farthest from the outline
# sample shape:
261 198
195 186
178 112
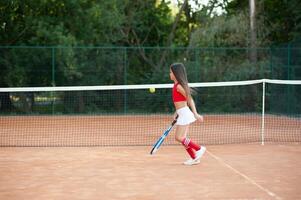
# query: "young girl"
182 99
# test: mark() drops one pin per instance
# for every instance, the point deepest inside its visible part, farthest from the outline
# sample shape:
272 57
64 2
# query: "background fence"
24 66
65 66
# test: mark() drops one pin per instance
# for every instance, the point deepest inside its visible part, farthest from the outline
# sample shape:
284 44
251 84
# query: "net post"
53 78
125 80
263 111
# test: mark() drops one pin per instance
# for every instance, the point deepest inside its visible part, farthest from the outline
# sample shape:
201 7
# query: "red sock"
190 152
189 144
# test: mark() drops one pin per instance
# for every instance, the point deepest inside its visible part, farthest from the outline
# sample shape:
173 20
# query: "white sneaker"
200 153
191 162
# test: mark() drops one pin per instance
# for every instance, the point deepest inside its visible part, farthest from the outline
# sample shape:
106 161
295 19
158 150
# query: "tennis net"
256 111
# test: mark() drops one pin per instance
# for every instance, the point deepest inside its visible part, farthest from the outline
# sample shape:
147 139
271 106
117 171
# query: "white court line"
245 177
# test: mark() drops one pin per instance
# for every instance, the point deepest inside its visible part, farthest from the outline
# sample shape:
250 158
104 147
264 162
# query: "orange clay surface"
236 172
113 169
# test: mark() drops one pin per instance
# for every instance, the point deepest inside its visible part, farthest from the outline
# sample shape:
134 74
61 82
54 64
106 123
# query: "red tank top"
177 96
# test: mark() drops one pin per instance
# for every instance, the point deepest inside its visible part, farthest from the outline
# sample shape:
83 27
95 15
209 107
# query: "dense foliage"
89 42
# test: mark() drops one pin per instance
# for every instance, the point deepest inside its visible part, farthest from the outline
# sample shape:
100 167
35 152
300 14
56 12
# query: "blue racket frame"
161 139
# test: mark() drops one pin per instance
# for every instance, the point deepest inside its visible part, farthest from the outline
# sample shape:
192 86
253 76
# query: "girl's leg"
181 132
180 136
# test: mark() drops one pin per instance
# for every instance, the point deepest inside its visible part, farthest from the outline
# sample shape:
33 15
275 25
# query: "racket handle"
175 120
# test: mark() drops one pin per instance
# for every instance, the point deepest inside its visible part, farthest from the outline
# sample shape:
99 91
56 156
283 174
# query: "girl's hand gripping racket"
161 139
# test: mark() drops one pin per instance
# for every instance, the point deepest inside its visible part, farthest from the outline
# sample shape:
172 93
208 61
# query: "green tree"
77 23
281 18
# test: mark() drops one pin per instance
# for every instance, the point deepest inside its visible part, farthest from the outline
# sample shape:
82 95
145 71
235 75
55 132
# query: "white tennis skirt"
185 116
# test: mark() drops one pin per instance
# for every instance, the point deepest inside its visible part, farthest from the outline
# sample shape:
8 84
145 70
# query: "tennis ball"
152 90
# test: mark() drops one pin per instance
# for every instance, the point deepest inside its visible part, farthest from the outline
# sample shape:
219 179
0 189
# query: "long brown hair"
179 71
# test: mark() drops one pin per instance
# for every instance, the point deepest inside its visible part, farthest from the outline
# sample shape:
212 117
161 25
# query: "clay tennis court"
94 157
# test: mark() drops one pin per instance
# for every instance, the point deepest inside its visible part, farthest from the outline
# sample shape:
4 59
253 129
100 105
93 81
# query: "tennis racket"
161 139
